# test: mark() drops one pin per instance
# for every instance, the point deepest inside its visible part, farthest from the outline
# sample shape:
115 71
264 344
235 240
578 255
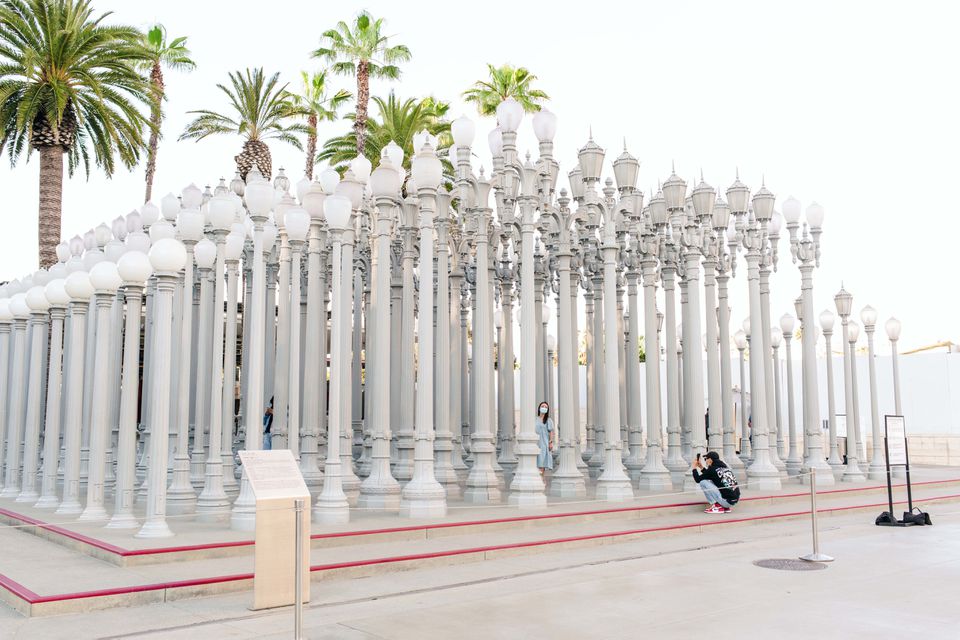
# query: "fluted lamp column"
423 496
134 268
853 473
39 306
58 297
878 467
835 461
167 257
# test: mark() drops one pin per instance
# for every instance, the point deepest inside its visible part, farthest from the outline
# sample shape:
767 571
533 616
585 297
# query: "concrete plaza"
688 582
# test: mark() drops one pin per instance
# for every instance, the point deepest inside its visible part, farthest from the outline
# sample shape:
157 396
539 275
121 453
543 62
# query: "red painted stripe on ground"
32 598
122 552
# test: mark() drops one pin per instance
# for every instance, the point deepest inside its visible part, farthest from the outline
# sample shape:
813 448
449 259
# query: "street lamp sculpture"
844 303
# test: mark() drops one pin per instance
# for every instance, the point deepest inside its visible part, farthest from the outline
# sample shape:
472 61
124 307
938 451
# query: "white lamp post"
331 506
878 468
298 225
233 250
167 256
59 299
134 268
15 403
835 461
844 303
39 305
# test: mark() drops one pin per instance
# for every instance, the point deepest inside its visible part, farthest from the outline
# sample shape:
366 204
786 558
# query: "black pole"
886 451
906 451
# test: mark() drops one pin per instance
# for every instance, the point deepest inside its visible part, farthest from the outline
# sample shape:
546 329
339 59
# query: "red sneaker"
715 508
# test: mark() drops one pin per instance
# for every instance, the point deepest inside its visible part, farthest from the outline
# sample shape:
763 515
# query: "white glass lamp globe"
303 185
775 338
76 245
395 153
329 179
337 210
893 329
746 325
544 314
420 138
114 250
134 222
869 316
18 305
791 210
551 342
740 339
427 168
63 252
360 166
105 277
78 286
58 270
90 258
545 125
464 131
509 115
134 267
13 287
787 323
149 213
298 224
853 329
170 207
205 254
815 215
313 199
190 225
221 212
191 196
498 318
826 320
168 255
56 292
89 240
351 188
102 234
258 195
119 228
36 299
233 248
41 277
775 223
385 181
269 236
162 229
138 241
495 141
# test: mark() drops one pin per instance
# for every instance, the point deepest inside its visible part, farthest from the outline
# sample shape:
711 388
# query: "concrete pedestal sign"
277 484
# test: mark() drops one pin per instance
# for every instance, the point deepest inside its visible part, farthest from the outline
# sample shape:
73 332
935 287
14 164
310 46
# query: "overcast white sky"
852 104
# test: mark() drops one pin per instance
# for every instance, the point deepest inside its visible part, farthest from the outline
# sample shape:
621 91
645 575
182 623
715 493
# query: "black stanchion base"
887 519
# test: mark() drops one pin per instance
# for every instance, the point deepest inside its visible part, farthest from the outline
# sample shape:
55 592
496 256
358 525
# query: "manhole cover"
789 564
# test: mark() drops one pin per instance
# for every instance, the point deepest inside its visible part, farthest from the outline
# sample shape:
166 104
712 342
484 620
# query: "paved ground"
883 582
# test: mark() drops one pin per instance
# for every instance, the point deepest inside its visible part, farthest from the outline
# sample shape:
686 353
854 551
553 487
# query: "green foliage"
172 54
313 99
346 46
397 120
69 79
260 108
505 81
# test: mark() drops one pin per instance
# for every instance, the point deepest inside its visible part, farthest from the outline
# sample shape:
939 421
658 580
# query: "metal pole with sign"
895 447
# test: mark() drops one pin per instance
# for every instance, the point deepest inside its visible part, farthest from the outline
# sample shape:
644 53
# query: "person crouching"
717 482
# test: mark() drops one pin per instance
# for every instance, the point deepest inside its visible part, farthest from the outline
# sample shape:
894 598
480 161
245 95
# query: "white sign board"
277 483
274 474
896 440
841 425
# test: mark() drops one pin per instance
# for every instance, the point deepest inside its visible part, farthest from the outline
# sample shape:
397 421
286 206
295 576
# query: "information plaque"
896 440
277 484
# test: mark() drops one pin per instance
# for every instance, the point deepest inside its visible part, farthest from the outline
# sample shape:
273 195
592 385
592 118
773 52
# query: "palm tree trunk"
311 145
51 196
363 97
156 82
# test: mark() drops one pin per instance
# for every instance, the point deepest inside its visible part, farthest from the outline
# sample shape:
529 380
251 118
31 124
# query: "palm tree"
316 106
161 53
397 121
505 81
361 50
68 86
260 110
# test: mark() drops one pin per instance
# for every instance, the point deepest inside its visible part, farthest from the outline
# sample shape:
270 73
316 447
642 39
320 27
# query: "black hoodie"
730 493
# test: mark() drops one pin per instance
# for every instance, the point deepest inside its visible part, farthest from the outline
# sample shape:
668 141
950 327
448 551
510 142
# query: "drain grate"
789 564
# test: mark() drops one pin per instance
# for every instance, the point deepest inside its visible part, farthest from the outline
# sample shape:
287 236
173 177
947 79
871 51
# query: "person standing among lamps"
545 434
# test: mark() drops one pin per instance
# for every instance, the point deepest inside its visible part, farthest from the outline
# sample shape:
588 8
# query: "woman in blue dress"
545 436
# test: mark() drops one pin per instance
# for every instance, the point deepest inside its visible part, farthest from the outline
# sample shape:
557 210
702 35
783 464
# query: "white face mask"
543 410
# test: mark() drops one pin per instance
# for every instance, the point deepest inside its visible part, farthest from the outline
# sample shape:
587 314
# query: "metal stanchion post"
816 556
298 571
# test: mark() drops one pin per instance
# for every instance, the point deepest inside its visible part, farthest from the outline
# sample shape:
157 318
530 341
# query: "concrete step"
44 578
